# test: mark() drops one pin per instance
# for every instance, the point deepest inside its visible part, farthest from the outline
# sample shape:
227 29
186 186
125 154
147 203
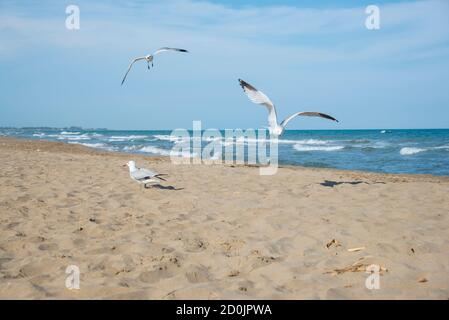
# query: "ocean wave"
38 134
237 140
246 140
167 137
312 142
369 149
94 145
358 141
123 138
73 137
406 151
69 132
303 148
131 148
178 139
97 135
166 152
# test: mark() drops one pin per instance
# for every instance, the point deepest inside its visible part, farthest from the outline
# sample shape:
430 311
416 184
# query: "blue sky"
305 55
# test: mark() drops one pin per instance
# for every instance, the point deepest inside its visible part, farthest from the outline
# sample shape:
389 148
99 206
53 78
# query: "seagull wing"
142 174
307 114
130 65
168 49
259 97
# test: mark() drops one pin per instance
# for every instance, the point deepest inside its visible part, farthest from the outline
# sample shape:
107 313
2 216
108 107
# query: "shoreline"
214 231
71 147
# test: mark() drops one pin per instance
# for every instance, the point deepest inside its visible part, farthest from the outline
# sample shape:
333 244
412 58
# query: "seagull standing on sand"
143 176
149 58
276 129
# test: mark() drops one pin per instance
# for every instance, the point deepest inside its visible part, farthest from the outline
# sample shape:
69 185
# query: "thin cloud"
312 34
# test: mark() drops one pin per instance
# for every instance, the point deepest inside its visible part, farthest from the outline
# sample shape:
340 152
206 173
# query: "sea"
416 151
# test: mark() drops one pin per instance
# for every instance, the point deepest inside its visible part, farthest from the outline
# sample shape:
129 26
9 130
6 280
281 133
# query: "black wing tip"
176 49
159 176
328 117
243 83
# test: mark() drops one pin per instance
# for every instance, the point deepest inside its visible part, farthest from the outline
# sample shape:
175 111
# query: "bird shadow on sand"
161 187
331 184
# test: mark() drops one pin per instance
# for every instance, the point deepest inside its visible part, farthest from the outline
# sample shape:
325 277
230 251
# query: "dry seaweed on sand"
358 266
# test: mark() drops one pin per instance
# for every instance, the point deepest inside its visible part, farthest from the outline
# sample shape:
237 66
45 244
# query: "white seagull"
276 129
143 176
149 58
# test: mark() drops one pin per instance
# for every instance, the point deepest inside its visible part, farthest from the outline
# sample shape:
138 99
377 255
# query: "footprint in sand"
48 246
194 244
4 261
69 203
33 269
262 261
36 239
160 272
245 286
197 274
165 269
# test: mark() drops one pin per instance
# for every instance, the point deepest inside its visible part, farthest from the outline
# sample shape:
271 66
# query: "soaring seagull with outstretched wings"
149 58
276 129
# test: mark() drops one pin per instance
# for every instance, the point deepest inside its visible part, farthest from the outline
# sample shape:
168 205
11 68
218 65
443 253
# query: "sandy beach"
214 231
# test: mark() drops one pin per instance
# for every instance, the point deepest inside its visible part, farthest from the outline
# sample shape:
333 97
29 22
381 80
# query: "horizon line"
220 129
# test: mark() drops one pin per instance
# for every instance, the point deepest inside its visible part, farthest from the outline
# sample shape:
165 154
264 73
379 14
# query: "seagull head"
131 165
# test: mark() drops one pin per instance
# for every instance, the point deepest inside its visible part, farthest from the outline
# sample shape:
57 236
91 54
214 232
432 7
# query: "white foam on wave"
94 145
97 134
166 152
38 134
123 138
303 148
73 137
69 132
313 142
131 148
178 139
406 151
166 137
237 140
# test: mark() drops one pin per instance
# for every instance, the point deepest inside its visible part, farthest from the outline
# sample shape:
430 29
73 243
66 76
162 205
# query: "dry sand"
227 232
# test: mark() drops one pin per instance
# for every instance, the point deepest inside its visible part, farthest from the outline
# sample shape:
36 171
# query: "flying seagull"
276 129
143 176
149 58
